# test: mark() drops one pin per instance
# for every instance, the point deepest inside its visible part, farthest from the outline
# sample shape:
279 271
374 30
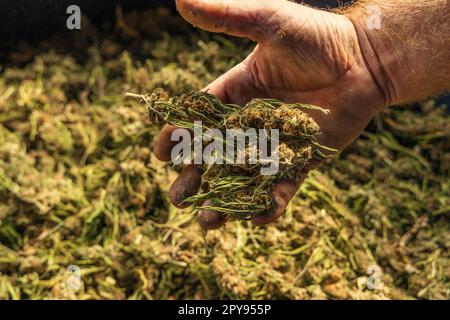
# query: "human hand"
303 55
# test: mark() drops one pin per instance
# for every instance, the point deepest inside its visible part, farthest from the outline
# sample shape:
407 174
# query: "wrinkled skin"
302 55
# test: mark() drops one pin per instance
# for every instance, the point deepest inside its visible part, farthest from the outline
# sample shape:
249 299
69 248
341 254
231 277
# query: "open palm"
303 55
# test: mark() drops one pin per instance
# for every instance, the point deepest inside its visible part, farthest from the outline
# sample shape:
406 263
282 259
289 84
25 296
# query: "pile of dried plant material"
79 186
241 190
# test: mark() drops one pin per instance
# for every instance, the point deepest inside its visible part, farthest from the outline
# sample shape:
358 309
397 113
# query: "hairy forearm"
406 45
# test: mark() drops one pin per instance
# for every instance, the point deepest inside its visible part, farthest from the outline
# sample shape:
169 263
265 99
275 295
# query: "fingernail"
210 219
186 185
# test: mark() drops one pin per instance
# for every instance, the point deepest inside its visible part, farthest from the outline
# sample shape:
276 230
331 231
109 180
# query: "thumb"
236 85
243 18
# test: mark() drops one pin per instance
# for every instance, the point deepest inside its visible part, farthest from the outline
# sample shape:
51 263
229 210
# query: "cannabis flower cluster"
239 190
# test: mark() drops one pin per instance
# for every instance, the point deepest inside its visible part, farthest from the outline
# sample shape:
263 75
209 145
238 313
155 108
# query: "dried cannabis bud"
240 190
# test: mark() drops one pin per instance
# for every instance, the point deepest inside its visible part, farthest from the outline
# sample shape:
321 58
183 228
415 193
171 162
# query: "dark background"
33 19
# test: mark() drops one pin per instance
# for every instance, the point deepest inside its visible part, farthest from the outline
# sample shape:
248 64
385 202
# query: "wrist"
385 61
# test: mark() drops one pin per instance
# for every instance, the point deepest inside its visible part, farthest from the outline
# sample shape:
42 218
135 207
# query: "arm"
409 54
323 58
